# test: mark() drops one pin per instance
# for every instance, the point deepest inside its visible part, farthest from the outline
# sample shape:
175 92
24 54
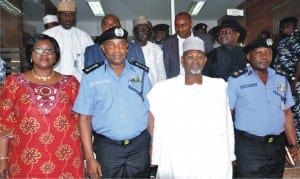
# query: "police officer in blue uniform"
112 103
260 99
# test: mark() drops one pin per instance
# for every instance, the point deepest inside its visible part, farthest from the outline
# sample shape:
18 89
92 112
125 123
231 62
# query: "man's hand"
293 151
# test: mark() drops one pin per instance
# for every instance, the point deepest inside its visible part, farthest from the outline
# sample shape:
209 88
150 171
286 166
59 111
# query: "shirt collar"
192 35
270 71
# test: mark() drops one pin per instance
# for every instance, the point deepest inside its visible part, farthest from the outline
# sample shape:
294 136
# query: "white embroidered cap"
193 43
50 18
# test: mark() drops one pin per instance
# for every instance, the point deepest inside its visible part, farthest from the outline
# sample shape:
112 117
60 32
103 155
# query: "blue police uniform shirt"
259 107
118 104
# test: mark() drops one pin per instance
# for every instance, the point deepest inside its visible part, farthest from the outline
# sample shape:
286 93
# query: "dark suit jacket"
94 54
223 61
171 53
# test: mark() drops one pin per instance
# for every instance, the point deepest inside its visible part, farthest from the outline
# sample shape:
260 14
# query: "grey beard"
196 72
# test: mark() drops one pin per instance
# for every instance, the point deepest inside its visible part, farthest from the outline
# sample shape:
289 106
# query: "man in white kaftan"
152 52
154 60
71 40
193 132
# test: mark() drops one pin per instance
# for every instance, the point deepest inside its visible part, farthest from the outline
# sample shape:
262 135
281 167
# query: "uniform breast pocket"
277 100
246 99
104 100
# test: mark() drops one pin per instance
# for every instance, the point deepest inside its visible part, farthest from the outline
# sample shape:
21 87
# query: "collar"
179 38
270 71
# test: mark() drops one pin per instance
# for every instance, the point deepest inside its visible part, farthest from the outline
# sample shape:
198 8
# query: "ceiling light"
195 7
96 7
235 12
10 7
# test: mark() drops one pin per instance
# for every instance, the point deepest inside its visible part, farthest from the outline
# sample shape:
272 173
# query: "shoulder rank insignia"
92 67
280 72
239 73
137 64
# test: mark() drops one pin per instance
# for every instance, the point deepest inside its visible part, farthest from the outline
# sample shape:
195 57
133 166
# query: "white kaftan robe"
72 43
193 131
154 60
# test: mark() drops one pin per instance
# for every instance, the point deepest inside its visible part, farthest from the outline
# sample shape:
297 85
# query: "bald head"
109 21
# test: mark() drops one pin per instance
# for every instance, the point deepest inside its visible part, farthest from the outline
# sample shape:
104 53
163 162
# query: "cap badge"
269 42
119 32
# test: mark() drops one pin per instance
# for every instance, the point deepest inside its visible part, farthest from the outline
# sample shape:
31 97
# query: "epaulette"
142 66
280 72
92 67
239 73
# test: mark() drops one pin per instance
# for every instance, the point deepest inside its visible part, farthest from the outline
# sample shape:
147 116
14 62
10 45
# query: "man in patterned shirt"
287 60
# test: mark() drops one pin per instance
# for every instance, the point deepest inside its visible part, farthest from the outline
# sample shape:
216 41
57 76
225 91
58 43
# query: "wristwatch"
293 146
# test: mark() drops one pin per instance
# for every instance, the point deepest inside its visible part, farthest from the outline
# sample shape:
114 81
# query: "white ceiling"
129 9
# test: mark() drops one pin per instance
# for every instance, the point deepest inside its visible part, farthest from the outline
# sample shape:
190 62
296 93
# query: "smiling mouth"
44 59
263 63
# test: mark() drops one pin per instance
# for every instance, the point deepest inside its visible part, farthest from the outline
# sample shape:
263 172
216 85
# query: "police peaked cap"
200 26
113 33
160 27
261 42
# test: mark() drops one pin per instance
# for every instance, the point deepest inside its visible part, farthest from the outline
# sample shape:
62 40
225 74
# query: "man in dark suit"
94 54
229 57
172 47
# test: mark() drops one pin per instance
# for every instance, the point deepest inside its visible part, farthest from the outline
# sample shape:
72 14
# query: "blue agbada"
118 104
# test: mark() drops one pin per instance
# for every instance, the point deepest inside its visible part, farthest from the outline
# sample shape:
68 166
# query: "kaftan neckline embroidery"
45 97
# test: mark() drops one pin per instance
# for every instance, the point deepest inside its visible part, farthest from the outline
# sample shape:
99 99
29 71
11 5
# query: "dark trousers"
257 157
123 161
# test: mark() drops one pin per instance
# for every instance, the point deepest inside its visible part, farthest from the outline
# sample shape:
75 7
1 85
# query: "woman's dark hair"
38 37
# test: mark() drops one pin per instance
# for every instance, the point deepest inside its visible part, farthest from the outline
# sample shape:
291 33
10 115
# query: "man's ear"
181 60
238 35
248 56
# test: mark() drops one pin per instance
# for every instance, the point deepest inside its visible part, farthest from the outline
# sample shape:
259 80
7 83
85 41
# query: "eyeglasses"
225 32
43 51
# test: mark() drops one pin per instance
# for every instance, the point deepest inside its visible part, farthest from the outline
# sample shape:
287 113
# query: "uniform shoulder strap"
139 65
281 73
239 73
92 67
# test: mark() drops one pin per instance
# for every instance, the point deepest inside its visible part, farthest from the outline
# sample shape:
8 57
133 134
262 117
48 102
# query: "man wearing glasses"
229 57
152 52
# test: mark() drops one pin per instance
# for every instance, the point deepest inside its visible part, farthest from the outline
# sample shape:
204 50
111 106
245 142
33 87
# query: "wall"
265 15
11 38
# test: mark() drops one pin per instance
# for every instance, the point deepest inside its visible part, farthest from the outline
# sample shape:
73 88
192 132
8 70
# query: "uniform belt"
119 142
263 139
